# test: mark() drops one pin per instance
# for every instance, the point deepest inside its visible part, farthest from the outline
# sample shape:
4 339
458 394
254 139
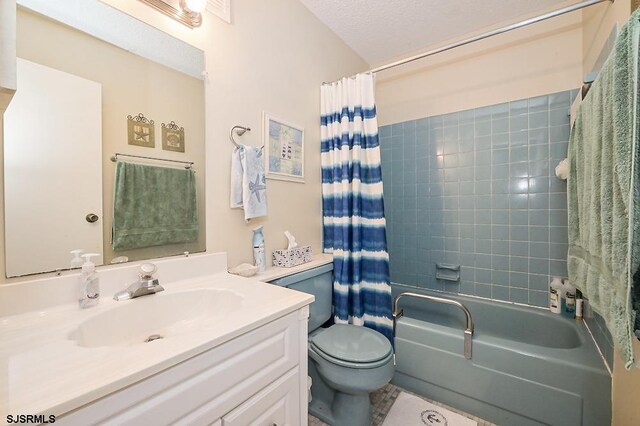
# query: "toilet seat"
352 346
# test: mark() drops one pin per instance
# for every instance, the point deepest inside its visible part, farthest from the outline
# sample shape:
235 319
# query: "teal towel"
153 206
602 191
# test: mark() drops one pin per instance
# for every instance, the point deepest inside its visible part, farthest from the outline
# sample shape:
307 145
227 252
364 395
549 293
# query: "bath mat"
409 410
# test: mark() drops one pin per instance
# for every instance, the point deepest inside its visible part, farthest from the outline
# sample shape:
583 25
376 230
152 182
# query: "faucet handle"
147 270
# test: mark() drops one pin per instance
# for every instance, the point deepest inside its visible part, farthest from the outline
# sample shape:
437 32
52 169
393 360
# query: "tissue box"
289 258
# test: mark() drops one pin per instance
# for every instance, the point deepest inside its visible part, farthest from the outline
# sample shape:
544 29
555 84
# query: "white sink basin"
133 322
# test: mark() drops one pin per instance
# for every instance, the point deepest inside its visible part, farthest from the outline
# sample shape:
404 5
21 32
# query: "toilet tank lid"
352 343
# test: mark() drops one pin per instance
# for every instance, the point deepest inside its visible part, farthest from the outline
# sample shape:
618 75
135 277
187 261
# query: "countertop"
273 272
44 371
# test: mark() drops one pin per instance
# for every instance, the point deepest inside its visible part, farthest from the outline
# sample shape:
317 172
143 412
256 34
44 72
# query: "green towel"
153 206
602 191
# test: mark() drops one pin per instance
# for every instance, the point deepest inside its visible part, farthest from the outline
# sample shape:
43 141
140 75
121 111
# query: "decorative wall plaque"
141 131
284 143
172 137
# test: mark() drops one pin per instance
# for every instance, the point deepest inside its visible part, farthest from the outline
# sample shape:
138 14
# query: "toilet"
346 362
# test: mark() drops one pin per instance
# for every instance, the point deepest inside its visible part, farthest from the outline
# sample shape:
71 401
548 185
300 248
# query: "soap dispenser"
76 261
89 283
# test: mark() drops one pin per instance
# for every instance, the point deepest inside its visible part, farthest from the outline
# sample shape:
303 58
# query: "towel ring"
239 130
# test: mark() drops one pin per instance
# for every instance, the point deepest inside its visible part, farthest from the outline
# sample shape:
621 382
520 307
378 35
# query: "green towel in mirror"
153 206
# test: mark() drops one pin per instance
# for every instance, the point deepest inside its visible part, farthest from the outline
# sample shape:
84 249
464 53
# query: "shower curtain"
353 209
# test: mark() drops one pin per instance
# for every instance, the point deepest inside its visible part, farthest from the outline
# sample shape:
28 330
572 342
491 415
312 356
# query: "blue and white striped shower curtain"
353 209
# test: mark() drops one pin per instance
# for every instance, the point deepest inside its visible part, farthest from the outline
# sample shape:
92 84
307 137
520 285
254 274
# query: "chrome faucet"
145 285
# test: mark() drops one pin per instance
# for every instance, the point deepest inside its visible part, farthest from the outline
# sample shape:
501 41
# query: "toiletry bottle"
89 283
555 291
258 249
579 302
76 261
570 294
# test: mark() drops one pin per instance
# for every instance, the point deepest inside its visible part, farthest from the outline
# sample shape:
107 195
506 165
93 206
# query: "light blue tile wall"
477 188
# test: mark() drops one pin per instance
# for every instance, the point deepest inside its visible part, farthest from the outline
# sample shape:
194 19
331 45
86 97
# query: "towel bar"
187 164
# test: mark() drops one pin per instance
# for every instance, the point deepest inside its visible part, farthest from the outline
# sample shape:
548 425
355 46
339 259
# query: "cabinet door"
276 405
203 388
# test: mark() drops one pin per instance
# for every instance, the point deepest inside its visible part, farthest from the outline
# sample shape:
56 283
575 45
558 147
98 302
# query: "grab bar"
468 332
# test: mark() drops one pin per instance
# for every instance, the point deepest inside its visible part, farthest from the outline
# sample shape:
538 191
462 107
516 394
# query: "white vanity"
212 348
233 351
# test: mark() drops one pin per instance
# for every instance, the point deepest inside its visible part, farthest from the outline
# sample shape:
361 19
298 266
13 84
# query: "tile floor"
382 400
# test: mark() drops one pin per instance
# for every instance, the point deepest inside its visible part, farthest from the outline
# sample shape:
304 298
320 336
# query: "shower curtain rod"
492 33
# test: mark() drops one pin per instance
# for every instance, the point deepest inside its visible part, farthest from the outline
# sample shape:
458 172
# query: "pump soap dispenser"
89 283
76 261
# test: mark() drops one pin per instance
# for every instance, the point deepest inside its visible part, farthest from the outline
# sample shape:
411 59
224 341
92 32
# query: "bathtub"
528 366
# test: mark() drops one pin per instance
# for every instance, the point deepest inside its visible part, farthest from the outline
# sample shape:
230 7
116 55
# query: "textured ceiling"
380 30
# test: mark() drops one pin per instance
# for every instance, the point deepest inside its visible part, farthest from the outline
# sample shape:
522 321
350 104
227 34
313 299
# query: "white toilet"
346 362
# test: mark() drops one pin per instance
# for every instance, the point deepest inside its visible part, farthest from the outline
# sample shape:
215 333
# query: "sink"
150 318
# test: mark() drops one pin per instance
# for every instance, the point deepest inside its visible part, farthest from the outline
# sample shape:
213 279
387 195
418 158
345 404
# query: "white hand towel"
248 183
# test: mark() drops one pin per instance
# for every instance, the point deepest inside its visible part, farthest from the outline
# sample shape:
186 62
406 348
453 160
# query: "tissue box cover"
289 258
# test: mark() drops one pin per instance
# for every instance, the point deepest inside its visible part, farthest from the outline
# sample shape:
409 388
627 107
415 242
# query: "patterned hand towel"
603 190
153 206
248 183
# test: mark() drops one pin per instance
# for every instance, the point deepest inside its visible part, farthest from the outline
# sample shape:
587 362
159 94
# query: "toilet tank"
319 282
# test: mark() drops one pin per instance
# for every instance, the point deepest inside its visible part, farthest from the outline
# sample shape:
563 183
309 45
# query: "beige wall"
273 57
7 52
535 60
626 392
130 85
598 21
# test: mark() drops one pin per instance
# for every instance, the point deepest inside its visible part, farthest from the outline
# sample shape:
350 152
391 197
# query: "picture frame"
284 149
172 137
141 131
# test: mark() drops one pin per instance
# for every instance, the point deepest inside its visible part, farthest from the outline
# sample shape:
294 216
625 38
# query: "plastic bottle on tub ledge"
259 257
579 305
570 295
555 295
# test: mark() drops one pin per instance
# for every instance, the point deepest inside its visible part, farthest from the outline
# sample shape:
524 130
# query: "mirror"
78 82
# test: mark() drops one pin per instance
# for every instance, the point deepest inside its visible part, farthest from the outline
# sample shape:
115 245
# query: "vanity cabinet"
276 404
257 378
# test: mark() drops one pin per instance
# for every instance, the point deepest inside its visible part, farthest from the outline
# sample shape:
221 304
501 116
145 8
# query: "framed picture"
284 145
141 131
172 137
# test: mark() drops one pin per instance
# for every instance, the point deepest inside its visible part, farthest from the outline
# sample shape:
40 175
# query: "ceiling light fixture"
187 12
195 6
